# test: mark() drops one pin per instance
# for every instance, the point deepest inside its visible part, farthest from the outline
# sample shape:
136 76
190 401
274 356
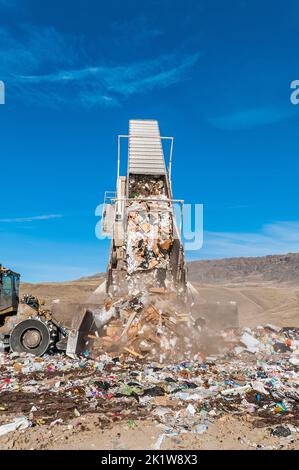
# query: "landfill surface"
153 375
243 396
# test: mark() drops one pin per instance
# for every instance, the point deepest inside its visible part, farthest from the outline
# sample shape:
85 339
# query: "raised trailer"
144 193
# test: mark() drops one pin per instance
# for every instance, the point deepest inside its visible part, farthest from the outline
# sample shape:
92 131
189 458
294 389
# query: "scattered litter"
259 387
294 360
18 424
201 428
281 431
159 441
56 421
280 408
76 413
181 395
191 410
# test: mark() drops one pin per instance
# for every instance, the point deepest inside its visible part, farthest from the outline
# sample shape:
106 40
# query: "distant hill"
274 268
266 289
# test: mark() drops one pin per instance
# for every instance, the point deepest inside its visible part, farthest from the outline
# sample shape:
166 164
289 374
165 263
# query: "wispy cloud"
68 80
106 85
250 118
31 219
275 238
33 49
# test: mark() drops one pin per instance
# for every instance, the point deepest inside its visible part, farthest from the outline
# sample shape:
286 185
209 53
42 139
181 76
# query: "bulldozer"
146 253
27 326
24 325
9 292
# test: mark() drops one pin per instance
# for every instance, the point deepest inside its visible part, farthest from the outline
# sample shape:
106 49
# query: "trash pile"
270 340
153 325
256 375
146 186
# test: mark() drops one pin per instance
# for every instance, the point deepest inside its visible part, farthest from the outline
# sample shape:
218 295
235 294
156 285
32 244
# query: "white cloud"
35 48
45 68
31 219
250 118
105 85
275 238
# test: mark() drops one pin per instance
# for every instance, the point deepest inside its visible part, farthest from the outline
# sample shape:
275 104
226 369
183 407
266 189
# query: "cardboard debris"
149 238
144 324
147 325
147 246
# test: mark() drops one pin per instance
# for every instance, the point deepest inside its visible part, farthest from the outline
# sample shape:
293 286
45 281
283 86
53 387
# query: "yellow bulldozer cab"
9 291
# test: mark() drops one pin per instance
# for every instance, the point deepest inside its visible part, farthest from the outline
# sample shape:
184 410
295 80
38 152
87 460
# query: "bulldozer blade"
78 337
78 320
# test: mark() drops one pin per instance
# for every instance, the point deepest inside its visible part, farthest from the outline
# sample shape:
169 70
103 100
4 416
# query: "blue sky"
215 74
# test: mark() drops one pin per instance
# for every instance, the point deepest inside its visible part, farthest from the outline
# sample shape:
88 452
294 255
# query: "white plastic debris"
273 327
236 390
56 421
159 441
251 343
259 387
102 317
191 410
293 428
200 428
18 424
239 349
294 360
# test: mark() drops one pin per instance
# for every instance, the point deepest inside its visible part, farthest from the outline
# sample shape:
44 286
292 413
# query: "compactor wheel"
33 336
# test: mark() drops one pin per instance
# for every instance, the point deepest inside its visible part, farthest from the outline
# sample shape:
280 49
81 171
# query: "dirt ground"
85 433
261 303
